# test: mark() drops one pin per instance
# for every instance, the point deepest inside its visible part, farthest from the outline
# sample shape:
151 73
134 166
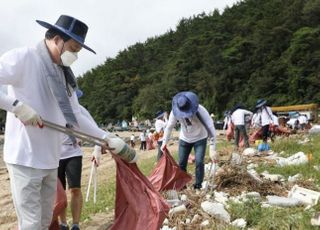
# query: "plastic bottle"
122 149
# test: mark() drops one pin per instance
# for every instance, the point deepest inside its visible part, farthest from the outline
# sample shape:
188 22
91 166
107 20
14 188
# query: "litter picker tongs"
84 137
77 134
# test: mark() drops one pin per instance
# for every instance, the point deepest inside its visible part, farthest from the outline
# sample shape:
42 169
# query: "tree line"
255 49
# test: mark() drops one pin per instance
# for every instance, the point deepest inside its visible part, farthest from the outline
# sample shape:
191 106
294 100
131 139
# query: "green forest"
255 49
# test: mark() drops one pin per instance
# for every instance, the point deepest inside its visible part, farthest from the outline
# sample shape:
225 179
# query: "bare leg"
76 204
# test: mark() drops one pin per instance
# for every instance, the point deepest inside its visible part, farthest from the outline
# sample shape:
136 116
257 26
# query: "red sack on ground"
167 174
59 205
138 205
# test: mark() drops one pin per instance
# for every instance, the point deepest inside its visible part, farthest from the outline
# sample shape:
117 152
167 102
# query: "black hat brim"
49 26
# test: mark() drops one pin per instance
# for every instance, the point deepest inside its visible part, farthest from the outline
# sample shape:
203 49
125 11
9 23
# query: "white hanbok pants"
33 193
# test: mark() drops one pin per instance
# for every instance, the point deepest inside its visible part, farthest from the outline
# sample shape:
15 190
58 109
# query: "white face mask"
68 57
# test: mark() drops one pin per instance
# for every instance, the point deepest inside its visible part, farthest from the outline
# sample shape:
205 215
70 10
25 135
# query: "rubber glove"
96 155
163 147
27 115
214 156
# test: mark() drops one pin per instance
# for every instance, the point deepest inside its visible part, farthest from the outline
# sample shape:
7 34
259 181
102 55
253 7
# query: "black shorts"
70 168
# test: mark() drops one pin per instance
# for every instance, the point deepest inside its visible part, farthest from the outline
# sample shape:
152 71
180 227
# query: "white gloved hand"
96 155
27 115
163 147
214 156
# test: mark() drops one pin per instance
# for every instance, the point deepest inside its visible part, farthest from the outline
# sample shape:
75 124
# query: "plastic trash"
239 223
249 152
306 196
221 197
294 178
272 177
296 159
263 147
204 223
315 220
195 218
236 159
283 201
216 209
314 129
177 210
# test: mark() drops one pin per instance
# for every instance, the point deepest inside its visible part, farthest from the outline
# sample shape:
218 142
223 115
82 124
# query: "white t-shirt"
142 137
265 116
302 119
68 149
194 132
238 116
22 70
160 125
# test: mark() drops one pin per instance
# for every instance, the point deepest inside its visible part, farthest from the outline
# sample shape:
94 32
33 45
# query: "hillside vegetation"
255 49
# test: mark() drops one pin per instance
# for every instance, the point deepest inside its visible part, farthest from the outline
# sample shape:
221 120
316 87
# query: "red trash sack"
257 134
230 131
168 175
60 204
138 205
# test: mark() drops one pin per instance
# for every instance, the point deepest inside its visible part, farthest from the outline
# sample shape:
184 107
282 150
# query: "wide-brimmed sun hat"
159 114
185 104
79 93
261 102
70 26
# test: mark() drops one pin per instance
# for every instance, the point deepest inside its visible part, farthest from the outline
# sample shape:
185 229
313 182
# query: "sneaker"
64 227
197 186
75 227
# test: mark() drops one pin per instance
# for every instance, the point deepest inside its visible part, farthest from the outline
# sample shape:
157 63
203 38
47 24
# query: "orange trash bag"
167 175
138 205
60 204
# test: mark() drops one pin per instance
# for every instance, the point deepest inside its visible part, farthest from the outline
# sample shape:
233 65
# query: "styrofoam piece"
216 209
306 196
265 205
176 210
236 159
188 221
221 197
314 129
254 175
183 197
174 203
294 178
315 220
239 223
195 218
272 177
251 195
296 159
252 166
283 201
205 223
249 152
166 221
